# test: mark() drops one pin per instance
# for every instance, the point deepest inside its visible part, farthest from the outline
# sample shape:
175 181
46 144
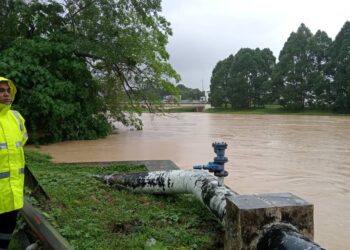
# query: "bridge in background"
196 105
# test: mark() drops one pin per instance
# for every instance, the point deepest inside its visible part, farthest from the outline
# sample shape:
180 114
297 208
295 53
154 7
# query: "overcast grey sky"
206 31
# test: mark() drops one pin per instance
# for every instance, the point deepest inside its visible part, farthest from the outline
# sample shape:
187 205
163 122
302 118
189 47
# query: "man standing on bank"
13 136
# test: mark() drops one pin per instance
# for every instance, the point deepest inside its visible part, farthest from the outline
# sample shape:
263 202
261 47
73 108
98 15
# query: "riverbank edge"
255 111
272 111
151 165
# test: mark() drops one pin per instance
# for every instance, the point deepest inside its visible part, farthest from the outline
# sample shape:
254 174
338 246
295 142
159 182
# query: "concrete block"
248 215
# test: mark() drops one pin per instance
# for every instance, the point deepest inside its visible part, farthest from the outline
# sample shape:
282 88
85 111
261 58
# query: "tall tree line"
312 72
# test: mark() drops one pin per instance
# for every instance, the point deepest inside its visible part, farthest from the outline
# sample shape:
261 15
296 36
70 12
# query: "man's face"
5 93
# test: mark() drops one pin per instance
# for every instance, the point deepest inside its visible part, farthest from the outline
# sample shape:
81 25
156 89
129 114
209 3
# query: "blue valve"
218 165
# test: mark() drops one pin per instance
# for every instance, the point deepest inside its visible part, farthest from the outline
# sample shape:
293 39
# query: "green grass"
270 109
92 215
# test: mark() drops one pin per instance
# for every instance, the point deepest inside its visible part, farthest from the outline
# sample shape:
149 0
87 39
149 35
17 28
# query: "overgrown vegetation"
91 215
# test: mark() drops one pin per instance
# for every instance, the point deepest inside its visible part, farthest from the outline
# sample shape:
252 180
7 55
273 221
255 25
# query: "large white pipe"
205 187
201 184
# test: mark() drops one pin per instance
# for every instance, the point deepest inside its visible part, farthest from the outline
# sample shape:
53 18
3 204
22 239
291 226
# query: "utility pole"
204 96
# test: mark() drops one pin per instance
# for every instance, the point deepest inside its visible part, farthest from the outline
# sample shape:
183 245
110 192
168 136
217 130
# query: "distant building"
205 98
206 94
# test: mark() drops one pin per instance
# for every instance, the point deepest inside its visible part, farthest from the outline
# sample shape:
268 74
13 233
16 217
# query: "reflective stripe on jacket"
13 136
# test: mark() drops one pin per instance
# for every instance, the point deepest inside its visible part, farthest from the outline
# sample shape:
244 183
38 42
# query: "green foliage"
293 68
124 42
242 80
340 70
76 61
56 91
219 83
189 93
299 76
92 215
319 95
312 73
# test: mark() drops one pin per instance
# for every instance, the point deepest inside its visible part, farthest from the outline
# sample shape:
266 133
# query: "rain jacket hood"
6 107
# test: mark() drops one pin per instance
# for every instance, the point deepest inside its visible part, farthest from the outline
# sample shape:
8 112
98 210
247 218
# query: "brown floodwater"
308 156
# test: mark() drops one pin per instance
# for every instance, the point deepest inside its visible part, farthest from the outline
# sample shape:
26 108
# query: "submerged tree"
79 63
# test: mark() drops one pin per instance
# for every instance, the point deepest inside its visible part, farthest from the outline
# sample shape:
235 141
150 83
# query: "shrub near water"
92 215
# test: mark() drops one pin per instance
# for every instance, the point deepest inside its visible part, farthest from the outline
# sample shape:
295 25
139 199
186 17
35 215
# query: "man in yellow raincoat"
13 136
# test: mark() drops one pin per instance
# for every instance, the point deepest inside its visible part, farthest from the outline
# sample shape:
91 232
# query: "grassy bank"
91 215
271 109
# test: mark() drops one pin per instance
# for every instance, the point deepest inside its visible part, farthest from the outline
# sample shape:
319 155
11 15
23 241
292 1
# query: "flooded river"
306 155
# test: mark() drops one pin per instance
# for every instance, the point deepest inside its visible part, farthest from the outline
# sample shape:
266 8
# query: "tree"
243 80
253 69
124 43
57 93
219 83
318 80
238 80
86 62
189 93
293 68
340 70
267 63
300 78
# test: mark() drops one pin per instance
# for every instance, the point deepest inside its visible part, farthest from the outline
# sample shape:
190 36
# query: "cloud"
206 31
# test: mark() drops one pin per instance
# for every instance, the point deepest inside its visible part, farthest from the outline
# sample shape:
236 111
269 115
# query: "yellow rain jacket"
13 136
